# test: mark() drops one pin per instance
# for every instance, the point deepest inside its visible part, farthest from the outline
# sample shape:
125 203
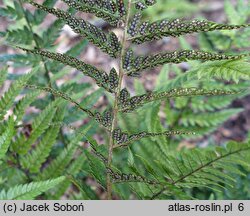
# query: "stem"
36 42
42 58
115 108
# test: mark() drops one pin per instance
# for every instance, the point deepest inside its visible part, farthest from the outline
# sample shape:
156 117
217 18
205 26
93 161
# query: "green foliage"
5 138
29 191
36 157
228 70
236 14
42 152
8 98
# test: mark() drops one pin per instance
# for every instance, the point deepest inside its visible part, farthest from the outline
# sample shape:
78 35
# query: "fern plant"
154 168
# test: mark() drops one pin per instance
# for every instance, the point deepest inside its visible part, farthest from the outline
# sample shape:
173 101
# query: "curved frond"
7 99
151 61
29 191
135 102
203 168
102 9
178 27
85 29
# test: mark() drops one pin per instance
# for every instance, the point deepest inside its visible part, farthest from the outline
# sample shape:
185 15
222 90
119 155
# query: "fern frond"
225 70
62 95
142 63
37 156
123 178
59 164
74 51
83 28
51 34
213 103
72 170
11 12
122 9
96 168
3 73
22 104
203 168
102 9
29 191
6 137
22 144
6 101
19 36
177 27
104 119
123 139
100 77
86 192
130 104
208 118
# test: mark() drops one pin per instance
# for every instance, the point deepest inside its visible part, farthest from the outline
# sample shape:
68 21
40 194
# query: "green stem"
42 58
37 43
115 107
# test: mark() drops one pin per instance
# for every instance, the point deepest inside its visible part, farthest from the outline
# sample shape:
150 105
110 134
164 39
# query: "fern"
178 27
232 70
5 138
8 98
40 124
183 106
3 75
23 104
63 159
33 160
29 191
200 172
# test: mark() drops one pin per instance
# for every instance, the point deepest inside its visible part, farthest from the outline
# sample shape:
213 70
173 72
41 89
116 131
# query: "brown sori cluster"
124 96
142 63
71 61
107 4
105 119
119 136
140 6
128 60
177 27
123 139
89 7
86 29
137 101
167 28
133 27
144 134
114 42
143 27
113 79
117 177
150 2
121 7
